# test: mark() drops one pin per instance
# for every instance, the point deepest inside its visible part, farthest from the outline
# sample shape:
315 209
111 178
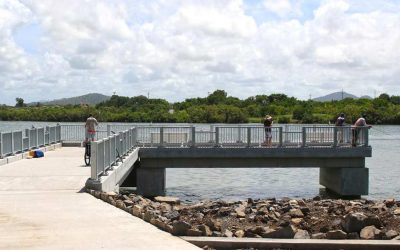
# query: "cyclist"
90 126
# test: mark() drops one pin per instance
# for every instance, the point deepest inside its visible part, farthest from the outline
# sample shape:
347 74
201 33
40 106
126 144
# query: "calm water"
198 184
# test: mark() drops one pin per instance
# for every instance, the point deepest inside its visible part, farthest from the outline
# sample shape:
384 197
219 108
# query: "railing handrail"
19 141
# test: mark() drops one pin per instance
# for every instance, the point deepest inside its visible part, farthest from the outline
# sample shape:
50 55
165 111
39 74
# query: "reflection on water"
198 184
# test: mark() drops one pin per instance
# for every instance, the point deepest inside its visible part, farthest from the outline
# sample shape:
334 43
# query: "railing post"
134 136
128 141
93 160
108 129
27 135
161 137
12 143
248 137
216 136
304 137
103 152
37 138
239 135
366 137
193 136
58 133
22 141
1 146
280 131
335 136
111 167
47 128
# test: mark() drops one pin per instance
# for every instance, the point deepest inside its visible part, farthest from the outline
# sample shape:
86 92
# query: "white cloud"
177 49
279 7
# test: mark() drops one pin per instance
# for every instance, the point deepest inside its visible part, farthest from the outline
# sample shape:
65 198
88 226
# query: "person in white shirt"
356 129
90 126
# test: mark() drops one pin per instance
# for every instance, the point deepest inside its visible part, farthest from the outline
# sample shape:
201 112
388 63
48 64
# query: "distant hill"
335 97
366 97
91 99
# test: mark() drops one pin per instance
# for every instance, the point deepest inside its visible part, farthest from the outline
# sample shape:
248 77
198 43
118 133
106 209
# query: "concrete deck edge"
24 155
198 152
71 144
234 243
116 176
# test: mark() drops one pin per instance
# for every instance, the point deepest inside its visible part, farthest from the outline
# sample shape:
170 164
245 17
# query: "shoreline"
285 218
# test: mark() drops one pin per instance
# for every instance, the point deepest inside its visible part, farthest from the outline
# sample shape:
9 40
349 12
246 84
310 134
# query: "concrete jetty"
43 207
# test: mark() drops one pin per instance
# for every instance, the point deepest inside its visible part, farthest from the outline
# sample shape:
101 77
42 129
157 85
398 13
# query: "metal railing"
20 141
77 133
107 152
252 136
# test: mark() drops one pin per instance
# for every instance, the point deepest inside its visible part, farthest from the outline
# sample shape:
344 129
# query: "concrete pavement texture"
42 207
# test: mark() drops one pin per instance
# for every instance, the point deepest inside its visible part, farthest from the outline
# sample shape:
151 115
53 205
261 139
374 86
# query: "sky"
175 49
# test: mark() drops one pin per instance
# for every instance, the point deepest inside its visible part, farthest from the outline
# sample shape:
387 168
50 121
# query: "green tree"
217 97
20 102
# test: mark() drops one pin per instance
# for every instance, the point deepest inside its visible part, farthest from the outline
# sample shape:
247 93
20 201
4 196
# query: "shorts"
90 135
268 133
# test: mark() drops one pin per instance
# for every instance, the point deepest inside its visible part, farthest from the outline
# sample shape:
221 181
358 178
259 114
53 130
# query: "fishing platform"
138 155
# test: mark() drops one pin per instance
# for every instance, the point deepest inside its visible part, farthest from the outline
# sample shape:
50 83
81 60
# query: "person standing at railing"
90 127
357 127
268 130
340 122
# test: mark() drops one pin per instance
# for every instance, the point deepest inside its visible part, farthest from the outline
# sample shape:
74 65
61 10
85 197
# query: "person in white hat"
268 131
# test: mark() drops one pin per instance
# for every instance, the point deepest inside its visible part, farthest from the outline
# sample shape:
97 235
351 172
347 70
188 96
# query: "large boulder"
172 215
336 235
371 233
280 233
180 228
206 231
224 211
302 234
194 232
318 236
227 233
373 220
390 202
296 213
137 210
354 222
240 211
167 199
239 233
391 234
148 215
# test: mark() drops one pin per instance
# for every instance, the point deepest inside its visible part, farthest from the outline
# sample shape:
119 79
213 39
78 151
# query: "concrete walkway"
41 207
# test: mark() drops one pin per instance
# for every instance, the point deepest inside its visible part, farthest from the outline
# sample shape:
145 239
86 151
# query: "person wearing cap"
340 123
268 131
356 129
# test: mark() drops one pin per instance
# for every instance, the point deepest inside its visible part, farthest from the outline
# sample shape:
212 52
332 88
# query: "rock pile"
266 218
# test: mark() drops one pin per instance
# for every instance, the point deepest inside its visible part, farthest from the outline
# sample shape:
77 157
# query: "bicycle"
87 153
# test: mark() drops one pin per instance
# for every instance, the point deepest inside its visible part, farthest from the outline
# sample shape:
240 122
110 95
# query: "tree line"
217 107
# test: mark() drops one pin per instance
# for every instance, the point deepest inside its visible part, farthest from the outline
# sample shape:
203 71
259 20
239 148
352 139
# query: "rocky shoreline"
266 218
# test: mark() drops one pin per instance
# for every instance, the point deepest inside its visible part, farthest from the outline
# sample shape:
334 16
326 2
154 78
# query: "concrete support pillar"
130 181
345 181
150 181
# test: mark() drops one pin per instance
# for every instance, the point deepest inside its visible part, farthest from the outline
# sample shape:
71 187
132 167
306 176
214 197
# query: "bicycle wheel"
87 154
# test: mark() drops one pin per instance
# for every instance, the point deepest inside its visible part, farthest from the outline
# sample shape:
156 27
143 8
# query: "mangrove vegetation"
217 107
